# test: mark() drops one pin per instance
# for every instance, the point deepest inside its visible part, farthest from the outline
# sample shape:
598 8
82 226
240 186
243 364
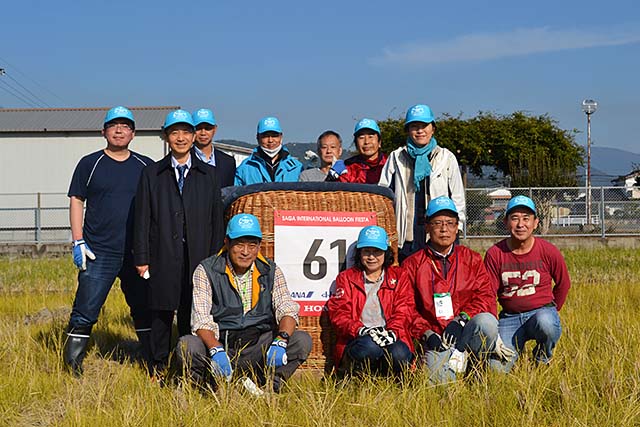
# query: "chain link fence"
610 211
571 211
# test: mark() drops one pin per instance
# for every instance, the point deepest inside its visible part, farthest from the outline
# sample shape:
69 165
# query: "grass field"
593 381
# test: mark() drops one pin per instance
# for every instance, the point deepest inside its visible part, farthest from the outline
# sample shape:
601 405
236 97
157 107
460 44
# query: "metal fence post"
38 219
604 228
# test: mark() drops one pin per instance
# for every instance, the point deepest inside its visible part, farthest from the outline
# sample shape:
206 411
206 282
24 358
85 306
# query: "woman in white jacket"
418 172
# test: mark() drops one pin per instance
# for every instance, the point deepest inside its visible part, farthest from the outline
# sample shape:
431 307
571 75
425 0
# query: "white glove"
81 252
458 361
382 337
366 330
502 351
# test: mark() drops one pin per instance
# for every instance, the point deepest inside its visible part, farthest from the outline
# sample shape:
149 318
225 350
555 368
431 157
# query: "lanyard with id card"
444 306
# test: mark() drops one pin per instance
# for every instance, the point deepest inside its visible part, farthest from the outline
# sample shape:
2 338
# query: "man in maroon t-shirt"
522 269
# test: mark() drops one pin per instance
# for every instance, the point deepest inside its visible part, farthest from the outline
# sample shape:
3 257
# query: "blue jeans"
478 338
94 285
363 353
541 325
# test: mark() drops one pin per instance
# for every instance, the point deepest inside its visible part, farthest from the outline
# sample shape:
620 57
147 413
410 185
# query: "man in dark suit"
178 223
225 165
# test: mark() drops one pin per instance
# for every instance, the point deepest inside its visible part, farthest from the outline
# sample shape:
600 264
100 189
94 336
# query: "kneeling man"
243 317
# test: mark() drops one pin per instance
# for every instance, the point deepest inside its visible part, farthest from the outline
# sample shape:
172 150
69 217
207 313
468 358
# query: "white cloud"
487 46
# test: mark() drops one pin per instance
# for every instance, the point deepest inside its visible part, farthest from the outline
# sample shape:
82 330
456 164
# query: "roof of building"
75 119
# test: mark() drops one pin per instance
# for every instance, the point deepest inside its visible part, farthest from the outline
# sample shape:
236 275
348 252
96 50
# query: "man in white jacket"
419 172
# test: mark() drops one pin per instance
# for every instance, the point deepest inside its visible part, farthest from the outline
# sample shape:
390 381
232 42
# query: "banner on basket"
311 248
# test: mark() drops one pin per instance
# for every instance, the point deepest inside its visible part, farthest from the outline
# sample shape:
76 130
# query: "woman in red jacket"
366 166
371 309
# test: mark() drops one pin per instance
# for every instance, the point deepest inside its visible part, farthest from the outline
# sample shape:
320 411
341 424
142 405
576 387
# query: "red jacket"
363 172
467 281
346 304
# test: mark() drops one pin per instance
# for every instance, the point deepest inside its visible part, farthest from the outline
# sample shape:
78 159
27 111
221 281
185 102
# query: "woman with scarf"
366 166
417 172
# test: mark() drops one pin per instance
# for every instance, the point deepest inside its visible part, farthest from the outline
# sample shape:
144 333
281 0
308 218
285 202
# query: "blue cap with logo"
118 112
178 116
419 113
244 225
269 124
366 124
373 236
521 201
439 204
204 115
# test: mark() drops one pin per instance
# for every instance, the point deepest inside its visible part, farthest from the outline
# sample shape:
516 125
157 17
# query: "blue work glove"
81 252
220 363
453 331
277 353
337 169
383 337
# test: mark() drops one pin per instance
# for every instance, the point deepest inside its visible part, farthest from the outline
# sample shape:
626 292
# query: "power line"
29 103
32 80
31 93
20 92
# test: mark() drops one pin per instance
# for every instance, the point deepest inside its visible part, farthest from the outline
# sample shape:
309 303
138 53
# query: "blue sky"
326 64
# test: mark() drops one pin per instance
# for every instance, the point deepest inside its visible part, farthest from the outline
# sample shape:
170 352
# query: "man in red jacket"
455 301
522 268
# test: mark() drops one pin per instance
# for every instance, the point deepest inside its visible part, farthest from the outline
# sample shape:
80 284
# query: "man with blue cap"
243 318
270 161
420 171
454 299
206 127
523 269
106 182
179 222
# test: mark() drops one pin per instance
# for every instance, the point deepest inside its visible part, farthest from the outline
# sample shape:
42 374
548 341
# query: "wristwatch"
284 335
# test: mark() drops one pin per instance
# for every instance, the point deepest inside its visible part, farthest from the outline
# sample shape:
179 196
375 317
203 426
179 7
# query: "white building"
41 147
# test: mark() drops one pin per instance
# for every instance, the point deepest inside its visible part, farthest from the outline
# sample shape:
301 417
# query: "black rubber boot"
75 348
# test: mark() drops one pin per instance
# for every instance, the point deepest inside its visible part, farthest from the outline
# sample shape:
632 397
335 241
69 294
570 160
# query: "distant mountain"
611 162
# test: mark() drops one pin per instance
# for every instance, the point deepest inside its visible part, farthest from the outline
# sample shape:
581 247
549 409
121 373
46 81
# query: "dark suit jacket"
225 168
164 219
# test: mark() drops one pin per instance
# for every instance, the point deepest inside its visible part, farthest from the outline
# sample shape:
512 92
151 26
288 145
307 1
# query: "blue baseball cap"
439 204
244 225
419 113
204 115
366 124
373 236
269 124
178 116
119 112
521 201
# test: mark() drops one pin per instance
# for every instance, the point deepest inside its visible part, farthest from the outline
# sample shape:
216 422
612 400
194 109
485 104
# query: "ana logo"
245 222
373 234
203 114
418 110
441 201
366 123
269 122
121 110
180 115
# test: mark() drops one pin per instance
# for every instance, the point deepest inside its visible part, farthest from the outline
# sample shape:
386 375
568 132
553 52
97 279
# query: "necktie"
181 170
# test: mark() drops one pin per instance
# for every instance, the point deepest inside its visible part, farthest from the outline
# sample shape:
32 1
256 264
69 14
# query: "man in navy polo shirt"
105 183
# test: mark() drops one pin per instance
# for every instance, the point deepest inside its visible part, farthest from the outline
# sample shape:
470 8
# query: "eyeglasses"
450 223
123 126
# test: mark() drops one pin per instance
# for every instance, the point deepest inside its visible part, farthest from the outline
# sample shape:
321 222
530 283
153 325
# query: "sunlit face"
368 143
119 133
180 138
204 134
420 132
269 140
443 230
521 223
372 259
243 251
329 149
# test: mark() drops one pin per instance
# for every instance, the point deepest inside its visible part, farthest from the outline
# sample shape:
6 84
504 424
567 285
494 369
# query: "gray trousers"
193 357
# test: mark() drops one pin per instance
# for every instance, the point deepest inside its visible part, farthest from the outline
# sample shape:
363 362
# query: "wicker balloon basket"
262 200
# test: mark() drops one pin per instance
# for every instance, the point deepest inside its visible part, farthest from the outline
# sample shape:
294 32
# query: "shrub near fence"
44 217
